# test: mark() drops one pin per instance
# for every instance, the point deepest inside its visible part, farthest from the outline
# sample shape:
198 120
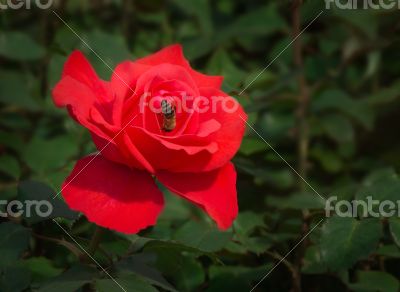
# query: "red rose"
156 118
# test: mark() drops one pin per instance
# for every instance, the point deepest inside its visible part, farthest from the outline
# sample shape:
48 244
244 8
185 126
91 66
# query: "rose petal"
181 154
233 125
213 191
174 55
121 150
85 95
112 195
79 68
79 99
124 78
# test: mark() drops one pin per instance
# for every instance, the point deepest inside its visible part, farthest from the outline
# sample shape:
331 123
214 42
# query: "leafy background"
329 105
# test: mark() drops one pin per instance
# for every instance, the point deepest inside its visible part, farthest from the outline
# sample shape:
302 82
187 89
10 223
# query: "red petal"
79 99
233 126
85 95
186 153
112 195
174 55
214 191
124 78
79 68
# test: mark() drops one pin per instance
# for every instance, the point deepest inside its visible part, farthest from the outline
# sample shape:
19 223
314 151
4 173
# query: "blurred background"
329 104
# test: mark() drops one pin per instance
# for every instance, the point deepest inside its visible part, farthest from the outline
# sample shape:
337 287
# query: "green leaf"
262 21
222 64
14 90
31 190
251 145
110 54
385 95
246 273
41 268
71 280
202 236
313 262
11 140
335 99
245 225
257 244
140 265
20 47
45 155
381 184
9 165
391 251
344 241
55 69
297 201
277 125
200 9
337 127
279 178
375 281
128 283
329 160
236 278
14 239
357 18
190 275
394 224
168 247
247 222
14 278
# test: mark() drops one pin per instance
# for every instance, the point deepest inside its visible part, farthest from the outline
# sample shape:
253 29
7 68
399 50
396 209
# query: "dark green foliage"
352 70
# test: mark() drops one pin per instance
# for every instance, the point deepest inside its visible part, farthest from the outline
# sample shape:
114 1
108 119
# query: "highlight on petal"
213 191
79 68
112 195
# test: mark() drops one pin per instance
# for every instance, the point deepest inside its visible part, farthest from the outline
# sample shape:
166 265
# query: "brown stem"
303 97
127 18
94 243
303 129
292 269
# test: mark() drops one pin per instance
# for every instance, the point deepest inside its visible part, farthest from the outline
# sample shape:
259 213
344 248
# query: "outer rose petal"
214 191
112 195
174 55
233 126
79 100
85 95
79 68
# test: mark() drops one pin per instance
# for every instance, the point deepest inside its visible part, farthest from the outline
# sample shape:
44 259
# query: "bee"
169 116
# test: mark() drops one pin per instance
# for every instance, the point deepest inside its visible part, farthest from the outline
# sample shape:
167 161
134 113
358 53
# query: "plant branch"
94 243
303 100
